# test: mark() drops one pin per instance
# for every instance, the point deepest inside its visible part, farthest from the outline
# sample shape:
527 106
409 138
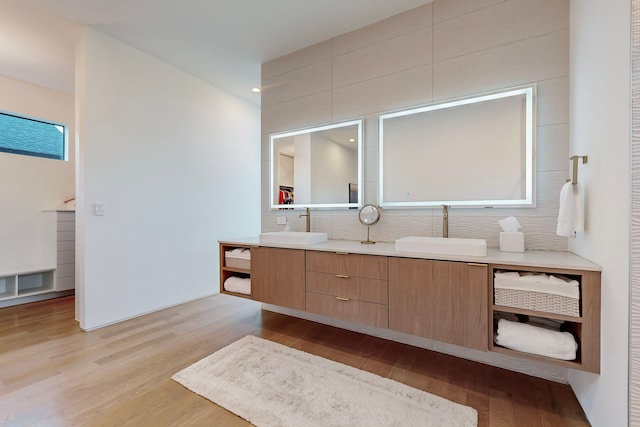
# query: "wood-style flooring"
53 374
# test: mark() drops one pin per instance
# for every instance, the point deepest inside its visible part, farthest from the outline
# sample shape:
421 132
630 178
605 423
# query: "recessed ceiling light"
352 140
255 90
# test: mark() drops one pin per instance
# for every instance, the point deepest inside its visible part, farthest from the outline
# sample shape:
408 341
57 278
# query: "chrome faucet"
445 221
308 215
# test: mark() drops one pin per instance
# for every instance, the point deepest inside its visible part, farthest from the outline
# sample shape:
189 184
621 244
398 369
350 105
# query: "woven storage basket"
537 301
234 261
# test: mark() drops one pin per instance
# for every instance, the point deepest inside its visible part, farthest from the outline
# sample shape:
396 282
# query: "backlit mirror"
477 151
317 167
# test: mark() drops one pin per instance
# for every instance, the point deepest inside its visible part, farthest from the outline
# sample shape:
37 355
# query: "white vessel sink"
293 238
442 246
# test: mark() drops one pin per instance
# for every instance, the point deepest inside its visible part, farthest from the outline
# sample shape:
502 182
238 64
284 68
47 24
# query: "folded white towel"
239 285
507 279
238 253
561 280
534 278
507 275
538 283
535 340
571 212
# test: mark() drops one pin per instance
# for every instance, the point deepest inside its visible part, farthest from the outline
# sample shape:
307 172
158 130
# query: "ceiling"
220 41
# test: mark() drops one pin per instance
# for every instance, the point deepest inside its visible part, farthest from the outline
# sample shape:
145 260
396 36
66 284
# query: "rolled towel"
536 340
239 285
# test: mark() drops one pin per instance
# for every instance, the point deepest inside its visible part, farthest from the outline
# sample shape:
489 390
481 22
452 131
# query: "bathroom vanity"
449 299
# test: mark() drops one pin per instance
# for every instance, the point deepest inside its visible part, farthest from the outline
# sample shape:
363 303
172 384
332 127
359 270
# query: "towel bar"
585 159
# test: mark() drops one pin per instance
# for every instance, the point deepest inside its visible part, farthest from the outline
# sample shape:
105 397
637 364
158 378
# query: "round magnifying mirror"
368 215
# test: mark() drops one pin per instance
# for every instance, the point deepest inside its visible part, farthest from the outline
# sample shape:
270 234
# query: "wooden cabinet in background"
441 300
278 276
66 250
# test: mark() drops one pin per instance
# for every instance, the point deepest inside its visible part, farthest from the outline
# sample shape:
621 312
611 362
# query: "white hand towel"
571 213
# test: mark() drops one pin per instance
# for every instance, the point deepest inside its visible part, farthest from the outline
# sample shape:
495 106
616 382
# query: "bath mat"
269 384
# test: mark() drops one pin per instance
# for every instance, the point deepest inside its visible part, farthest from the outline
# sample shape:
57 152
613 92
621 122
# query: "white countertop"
544 259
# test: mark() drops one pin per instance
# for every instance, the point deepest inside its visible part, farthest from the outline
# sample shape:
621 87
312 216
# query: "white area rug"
269 384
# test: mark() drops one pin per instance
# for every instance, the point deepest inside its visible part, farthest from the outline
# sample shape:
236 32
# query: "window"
32 137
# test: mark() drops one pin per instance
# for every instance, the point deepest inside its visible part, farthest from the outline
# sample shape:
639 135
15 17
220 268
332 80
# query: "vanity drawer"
357 288
366 313
369 266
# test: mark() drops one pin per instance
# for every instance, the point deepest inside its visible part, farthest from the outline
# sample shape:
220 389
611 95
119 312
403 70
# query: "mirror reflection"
477 151
317 167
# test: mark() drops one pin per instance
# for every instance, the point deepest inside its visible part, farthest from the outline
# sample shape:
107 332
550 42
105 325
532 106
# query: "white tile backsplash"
393 91
299 83
298 113
531 60
386 29
404 52
450 9
299 59
552 147
553 101
503 23
441 50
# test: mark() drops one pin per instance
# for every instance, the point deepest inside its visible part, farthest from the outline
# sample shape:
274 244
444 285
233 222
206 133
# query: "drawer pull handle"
476 264
342 276
342 299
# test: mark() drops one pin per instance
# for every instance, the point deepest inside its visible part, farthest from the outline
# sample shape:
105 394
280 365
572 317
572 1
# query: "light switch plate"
98 209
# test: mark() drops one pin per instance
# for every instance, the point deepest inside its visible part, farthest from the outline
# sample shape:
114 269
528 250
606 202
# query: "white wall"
31 184
176 163
600 111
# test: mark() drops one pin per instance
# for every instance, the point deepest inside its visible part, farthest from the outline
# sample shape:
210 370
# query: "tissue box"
512 241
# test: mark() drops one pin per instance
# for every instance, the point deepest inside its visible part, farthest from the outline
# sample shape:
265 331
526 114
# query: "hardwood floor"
53 374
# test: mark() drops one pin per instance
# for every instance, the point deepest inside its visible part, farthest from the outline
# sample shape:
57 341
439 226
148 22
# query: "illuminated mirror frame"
529 188
273 198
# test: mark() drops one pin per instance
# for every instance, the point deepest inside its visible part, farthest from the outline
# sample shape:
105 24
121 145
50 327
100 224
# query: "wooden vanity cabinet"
349 287
451 302
440 300
277 276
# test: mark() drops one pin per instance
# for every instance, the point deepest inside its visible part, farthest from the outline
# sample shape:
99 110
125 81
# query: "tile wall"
439 51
